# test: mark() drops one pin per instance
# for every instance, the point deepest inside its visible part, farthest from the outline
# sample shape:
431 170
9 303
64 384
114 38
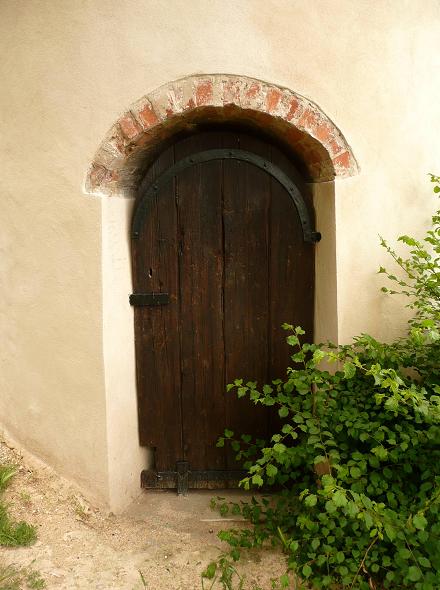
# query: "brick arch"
177 106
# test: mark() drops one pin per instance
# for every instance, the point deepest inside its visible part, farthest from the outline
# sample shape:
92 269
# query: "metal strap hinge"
183 478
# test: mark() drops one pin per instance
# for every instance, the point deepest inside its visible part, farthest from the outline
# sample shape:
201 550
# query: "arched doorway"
223 254
114 172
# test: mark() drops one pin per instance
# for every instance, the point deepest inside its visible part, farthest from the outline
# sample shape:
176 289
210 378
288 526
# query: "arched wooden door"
222 255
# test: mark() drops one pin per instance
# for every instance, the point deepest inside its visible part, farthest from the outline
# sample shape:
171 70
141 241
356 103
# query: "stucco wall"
67 70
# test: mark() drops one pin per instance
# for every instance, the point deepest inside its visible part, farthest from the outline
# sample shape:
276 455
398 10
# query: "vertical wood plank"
291 277
157 342
246 235
199 192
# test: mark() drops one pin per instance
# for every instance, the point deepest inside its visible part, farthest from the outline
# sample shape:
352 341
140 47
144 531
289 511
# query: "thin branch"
363 560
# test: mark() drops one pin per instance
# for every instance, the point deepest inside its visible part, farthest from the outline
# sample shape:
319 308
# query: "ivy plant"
356 463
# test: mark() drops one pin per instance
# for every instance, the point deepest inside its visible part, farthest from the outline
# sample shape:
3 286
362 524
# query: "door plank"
199 192
157 342
246 231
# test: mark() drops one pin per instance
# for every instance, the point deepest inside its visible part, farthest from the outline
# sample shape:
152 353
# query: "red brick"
343 160
293 108
273 97
115 142
147 116
309 120
204 93
324 132
252 92
334 146
231 92
129 126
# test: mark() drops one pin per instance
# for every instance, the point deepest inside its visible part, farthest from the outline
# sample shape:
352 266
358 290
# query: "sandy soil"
169 539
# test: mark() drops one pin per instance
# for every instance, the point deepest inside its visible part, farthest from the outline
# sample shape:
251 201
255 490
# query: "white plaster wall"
126 458
68 69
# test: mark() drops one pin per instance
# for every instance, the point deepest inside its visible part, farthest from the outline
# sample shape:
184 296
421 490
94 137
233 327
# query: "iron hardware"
147 192
184 479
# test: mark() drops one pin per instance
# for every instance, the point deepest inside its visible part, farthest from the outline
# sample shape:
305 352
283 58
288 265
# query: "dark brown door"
224 240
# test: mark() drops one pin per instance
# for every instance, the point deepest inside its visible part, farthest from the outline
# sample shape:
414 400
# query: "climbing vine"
356 462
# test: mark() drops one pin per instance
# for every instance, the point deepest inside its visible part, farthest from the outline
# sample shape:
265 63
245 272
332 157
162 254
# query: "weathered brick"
342 161
335 146
282 112
129 126
146 115
309 120
273 97
293 109
115 141
96 176
231 91
106 157
190 104
203 93
252 92
324 132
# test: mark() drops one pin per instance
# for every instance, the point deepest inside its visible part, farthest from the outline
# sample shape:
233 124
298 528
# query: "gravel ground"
169 539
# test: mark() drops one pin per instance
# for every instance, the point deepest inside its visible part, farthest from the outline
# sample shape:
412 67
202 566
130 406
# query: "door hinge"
183 478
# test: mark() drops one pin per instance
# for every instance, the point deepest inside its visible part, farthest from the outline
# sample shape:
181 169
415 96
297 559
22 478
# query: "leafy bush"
358 456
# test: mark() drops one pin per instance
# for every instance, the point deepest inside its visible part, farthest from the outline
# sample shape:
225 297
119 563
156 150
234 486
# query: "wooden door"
222 241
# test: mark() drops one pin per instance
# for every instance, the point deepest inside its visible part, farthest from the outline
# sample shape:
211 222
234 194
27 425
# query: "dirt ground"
169 539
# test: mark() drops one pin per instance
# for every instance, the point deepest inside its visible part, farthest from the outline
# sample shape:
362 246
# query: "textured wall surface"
68 71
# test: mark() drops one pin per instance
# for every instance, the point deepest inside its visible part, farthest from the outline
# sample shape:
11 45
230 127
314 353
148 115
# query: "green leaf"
306 571
420 522
318 355
390 532
271 470
311 500
279 447
423 561
404 553
414 573
209 572
257 480
228 433
283 412
339 498
380 452
330 507
349 370
340 557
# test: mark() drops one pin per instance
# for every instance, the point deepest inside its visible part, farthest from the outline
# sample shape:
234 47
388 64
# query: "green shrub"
358 456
